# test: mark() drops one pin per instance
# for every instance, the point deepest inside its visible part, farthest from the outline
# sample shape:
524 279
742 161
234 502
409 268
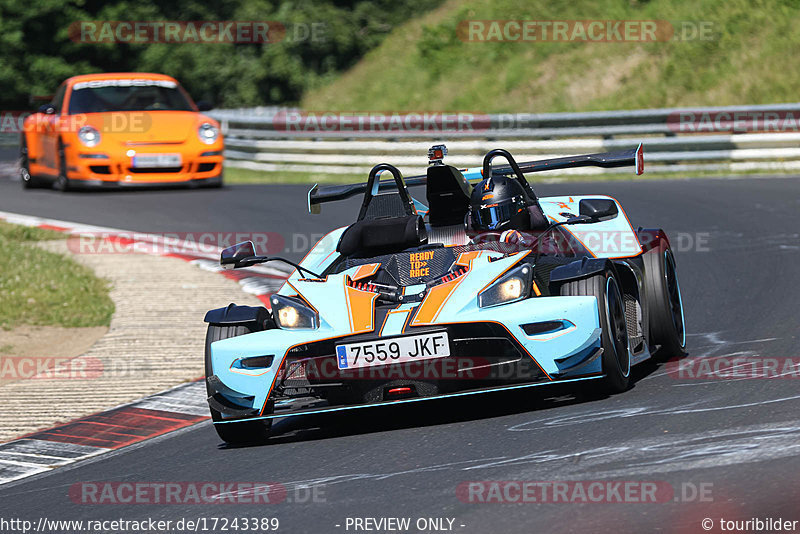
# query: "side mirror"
313 207
202 105
598 209
231 257
47 109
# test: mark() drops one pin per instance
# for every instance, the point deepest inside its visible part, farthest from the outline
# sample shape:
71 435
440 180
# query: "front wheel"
241 432
62 183
614 338
215 183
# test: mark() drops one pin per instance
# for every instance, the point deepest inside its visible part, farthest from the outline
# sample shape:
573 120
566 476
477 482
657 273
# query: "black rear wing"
608 160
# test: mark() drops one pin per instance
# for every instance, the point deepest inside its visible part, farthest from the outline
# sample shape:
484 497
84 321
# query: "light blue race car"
420 301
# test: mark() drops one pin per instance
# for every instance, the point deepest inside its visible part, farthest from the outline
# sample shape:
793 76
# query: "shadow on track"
437 412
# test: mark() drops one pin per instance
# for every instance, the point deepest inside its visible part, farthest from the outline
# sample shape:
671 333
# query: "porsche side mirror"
202 105
47 109
231 257
598 209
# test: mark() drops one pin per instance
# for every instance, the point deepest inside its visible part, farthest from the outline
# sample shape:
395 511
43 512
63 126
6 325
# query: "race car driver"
502 208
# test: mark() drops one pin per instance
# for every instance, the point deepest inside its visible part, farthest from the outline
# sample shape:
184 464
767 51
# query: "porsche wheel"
28 181
616 355
664 303
62 183
234 433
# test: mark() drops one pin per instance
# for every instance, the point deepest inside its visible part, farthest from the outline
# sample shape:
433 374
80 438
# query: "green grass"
424 65
235 175
38 287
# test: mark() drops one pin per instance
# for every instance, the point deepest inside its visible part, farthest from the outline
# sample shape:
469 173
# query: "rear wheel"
616 356
241 432
664 303
28 181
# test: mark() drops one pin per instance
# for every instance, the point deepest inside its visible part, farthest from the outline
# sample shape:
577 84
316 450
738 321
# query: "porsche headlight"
289 314
208 133
511 287
89 136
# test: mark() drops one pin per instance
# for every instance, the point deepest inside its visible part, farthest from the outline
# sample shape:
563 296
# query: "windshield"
127 95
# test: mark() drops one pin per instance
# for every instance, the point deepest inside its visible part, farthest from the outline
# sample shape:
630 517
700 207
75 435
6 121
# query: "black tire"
62 183
216 184
666 324
28 181
234 433
610 304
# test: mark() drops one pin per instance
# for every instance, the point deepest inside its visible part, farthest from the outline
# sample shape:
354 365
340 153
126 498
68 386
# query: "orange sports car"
120 129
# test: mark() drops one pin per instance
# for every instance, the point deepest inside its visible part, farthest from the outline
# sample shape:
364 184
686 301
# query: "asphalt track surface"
738 439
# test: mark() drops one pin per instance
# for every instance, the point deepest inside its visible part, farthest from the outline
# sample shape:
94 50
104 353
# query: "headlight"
289 314
89 136
208 133
511 287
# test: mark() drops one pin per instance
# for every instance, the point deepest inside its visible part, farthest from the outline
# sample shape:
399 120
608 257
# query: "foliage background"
36 53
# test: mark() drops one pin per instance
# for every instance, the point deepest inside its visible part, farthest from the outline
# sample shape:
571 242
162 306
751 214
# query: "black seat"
375 237
448 195
385 204
539 220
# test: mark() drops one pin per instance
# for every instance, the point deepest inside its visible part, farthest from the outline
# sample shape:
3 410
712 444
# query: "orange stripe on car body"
365 271
466 257
536 288
360 308
437 296
434 301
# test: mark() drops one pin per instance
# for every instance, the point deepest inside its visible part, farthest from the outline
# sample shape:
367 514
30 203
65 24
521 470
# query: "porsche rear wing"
634 157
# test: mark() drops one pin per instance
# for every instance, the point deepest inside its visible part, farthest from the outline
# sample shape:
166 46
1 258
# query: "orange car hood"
130 128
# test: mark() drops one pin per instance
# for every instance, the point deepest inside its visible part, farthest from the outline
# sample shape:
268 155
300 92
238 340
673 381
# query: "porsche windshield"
127 95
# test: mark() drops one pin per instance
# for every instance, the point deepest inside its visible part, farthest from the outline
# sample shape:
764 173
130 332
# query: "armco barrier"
735 139
731 139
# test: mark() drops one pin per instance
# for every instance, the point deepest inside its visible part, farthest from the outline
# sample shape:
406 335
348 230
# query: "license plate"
149 161
392 351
